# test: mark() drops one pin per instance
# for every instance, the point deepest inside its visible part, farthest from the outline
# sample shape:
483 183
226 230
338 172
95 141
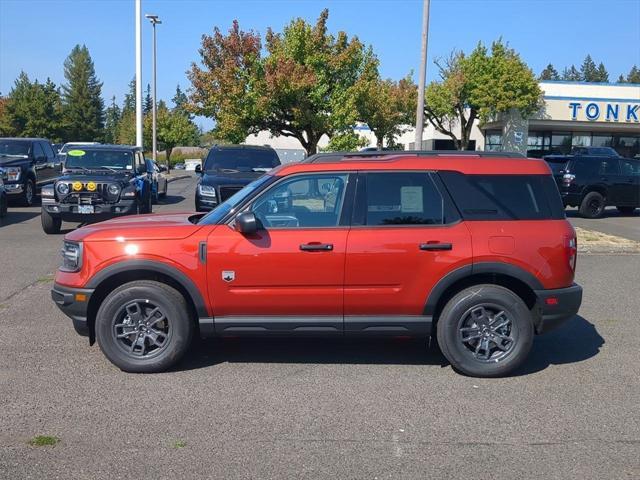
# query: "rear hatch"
558 165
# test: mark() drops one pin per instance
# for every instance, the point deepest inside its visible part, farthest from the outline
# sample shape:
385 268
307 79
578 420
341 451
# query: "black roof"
241 147
371 155
25 139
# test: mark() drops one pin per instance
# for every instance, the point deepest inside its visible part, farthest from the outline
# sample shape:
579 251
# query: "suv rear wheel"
592 205
144 327
485 331
29 193
50 224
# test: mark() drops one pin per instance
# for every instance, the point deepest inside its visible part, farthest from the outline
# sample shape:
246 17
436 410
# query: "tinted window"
504 197
403 199
38 153
108 159
630 167
241 159
303 201
609 166
14 148
585 166
48 151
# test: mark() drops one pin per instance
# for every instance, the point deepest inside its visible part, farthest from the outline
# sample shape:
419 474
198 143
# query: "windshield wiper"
109 168
261 169
13 155
84 169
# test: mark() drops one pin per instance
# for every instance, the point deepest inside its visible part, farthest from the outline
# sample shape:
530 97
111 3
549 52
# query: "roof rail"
331 157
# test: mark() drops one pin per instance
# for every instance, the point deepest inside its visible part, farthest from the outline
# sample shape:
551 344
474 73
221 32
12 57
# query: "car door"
53 164
612 179
630 182
288 277
405 237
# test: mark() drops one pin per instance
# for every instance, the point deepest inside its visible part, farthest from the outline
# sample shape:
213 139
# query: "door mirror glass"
246 223
199 169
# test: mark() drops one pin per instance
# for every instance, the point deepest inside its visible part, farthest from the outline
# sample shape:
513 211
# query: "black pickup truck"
26 165
98 182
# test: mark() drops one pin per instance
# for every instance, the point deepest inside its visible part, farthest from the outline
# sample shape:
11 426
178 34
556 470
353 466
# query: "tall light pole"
138 75
154 21
423 76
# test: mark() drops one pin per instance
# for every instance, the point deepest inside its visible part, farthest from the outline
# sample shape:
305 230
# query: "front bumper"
557 306
205 204
13 188
102 211
74 303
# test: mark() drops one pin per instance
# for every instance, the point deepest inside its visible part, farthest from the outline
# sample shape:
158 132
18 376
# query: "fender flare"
157 267
478 268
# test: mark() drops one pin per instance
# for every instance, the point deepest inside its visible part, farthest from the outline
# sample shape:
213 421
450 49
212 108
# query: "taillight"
567 179
571 246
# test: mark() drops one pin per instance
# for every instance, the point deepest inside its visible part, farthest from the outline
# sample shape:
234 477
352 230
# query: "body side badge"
228 275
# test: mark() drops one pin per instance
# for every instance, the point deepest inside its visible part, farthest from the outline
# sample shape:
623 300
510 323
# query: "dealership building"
573 114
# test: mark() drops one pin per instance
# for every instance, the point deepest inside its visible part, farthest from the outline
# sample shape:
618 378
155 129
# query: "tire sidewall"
455 351
29 186
585 211
172 305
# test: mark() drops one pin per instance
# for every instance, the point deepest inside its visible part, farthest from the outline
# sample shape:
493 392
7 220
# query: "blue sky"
37 35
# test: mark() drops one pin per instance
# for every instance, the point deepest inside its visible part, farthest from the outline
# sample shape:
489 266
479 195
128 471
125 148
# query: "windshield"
10 148
96 159
221 211
241 160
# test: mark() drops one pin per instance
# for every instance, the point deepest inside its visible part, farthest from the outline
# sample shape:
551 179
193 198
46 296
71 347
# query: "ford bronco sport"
471 249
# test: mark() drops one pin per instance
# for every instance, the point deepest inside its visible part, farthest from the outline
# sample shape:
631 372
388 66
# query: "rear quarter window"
504 197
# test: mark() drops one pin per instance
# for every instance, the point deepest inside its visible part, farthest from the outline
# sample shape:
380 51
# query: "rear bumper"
74 303
570 199
557 306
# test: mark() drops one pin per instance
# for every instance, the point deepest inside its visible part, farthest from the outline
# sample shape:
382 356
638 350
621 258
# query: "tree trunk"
379 142
168 152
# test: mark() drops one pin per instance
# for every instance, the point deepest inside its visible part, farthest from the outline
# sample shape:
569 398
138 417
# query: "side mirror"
199 169
246 223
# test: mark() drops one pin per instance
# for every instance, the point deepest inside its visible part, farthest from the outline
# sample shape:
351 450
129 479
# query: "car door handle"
436 246
316 247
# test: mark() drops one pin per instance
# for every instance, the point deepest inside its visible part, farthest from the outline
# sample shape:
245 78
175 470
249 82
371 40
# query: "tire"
50 224
592 205
626 210
461 317
166 189
28 196
3 206
117 316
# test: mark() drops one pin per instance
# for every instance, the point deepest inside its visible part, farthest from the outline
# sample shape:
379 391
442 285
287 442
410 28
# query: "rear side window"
504 197
609 166
407 198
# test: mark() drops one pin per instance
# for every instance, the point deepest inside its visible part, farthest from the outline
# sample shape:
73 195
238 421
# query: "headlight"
62 188
11 174
206 190
71 257
114 189
129 191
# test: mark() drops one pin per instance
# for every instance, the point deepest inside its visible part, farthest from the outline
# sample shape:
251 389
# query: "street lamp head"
154 19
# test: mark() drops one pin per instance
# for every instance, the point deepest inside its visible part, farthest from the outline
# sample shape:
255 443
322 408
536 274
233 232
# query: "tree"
112 121
301 89
601 74
386 106
549 73
347 141
83 107
180 102
634 75
147 106
32 109
571 74
478 87
173 129
130 97
588 70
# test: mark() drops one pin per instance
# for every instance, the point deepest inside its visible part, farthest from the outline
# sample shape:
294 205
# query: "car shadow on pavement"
17 216
170 200
574 342
401 351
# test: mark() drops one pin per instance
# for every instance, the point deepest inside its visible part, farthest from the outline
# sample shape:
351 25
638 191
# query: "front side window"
408 198
630 167
609 166
305 201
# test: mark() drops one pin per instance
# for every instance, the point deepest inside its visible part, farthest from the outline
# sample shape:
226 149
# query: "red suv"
472 249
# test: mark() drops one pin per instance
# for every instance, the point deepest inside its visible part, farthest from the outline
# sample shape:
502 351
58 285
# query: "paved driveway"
612 223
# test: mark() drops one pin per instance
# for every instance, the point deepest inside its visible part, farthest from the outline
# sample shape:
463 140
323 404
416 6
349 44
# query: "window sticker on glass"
129 167
76 153
411 199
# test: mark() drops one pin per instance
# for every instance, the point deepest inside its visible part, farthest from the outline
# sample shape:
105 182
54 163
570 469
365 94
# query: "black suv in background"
99 182
592 182
27 164
227 169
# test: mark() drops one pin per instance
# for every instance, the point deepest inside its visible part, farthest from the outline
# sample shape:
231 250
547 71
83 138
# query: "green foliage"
173 129
602 74
180 102
147 104
82 104
634 75
479 86
43 441
571 74
588 70
347 141
32 110
130 97
302 88
112 121
549 73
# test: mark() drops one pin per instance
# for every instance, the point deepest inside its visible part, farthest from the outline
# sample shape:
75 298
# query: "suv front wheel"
485 331
144 327
592 205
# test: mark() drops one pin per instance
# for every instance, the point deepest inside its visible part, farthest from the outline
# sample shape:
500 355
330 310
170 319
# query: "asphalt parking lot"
313 409
612 223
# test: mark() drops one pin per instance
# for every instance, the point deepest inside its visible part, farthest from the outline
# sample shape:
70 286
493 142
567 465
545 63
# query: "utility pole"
154 21
423 76
138 74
